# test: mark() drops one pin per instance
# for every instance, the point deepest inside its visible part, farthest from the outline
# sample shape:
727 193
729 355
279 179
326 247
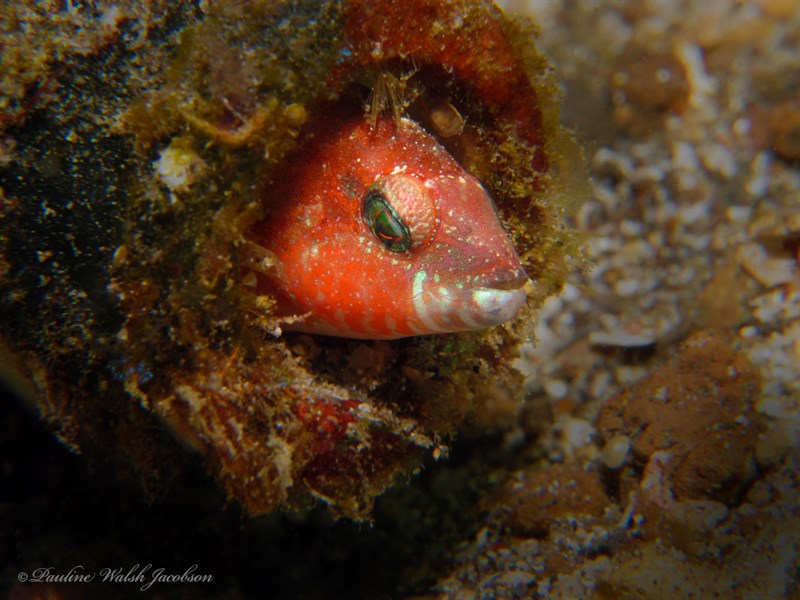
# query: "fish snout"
499 299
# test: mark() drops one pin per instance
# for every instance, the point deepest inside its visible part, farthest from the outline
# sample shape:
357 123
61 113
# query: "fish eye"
385 223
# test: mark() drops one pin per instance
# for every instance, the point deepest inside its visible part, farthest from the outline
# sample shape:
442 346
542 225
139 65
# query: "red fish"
379 234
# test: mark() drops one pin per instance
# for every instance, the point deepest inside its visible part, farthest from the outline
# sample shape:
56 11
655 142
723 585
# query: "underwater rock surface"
137 167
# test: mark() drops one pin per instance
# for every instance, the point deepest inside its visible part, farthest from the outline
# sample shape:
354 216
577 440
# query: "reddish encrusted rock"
128 318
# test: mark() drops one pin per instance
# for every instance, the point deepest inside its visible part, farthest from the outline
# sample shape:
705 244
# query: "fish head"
381 234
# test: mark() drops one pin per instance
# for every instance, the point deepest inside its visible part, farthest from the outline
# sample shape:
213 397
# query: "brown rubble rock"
646 85
699 409
539 498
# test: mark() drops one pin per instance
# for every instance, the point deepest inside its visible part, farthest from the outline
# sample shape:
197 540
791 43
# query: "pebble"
627 287
600 384
631 228
577 433
622 339
740 214
718 160
627 375
601 245
748 332
615 451
517 580
684 157
758 184
701 85
696 212
556 389
776 306
768 270
648 174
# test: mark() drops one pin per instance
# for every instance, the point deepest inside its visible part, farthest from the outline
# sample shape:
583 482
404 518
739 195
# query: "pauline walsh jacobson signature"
145 575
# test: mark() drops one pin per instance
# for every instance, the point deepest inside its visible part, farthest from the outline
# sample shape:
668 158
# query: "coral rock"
699 409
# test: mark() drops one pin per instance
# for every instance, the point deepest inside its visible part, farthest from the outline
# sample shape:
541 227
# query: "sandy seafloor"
657 454
693 222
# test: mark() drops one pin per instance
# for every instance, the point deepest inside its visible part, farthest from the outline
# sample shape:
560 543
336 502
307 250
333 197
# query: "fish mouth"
500 300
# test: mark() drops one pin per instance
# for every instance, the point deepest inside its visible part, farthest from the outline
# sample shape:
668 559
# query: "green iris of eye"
385 223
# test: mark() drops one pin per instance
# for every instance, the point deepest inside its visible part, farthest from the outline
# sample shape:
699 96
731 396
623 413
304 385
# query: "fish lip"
497 305
515 280
500 298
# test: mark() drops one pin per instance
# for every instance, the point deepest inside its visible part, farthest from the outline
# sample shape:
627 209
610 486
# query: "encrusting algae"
138 280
